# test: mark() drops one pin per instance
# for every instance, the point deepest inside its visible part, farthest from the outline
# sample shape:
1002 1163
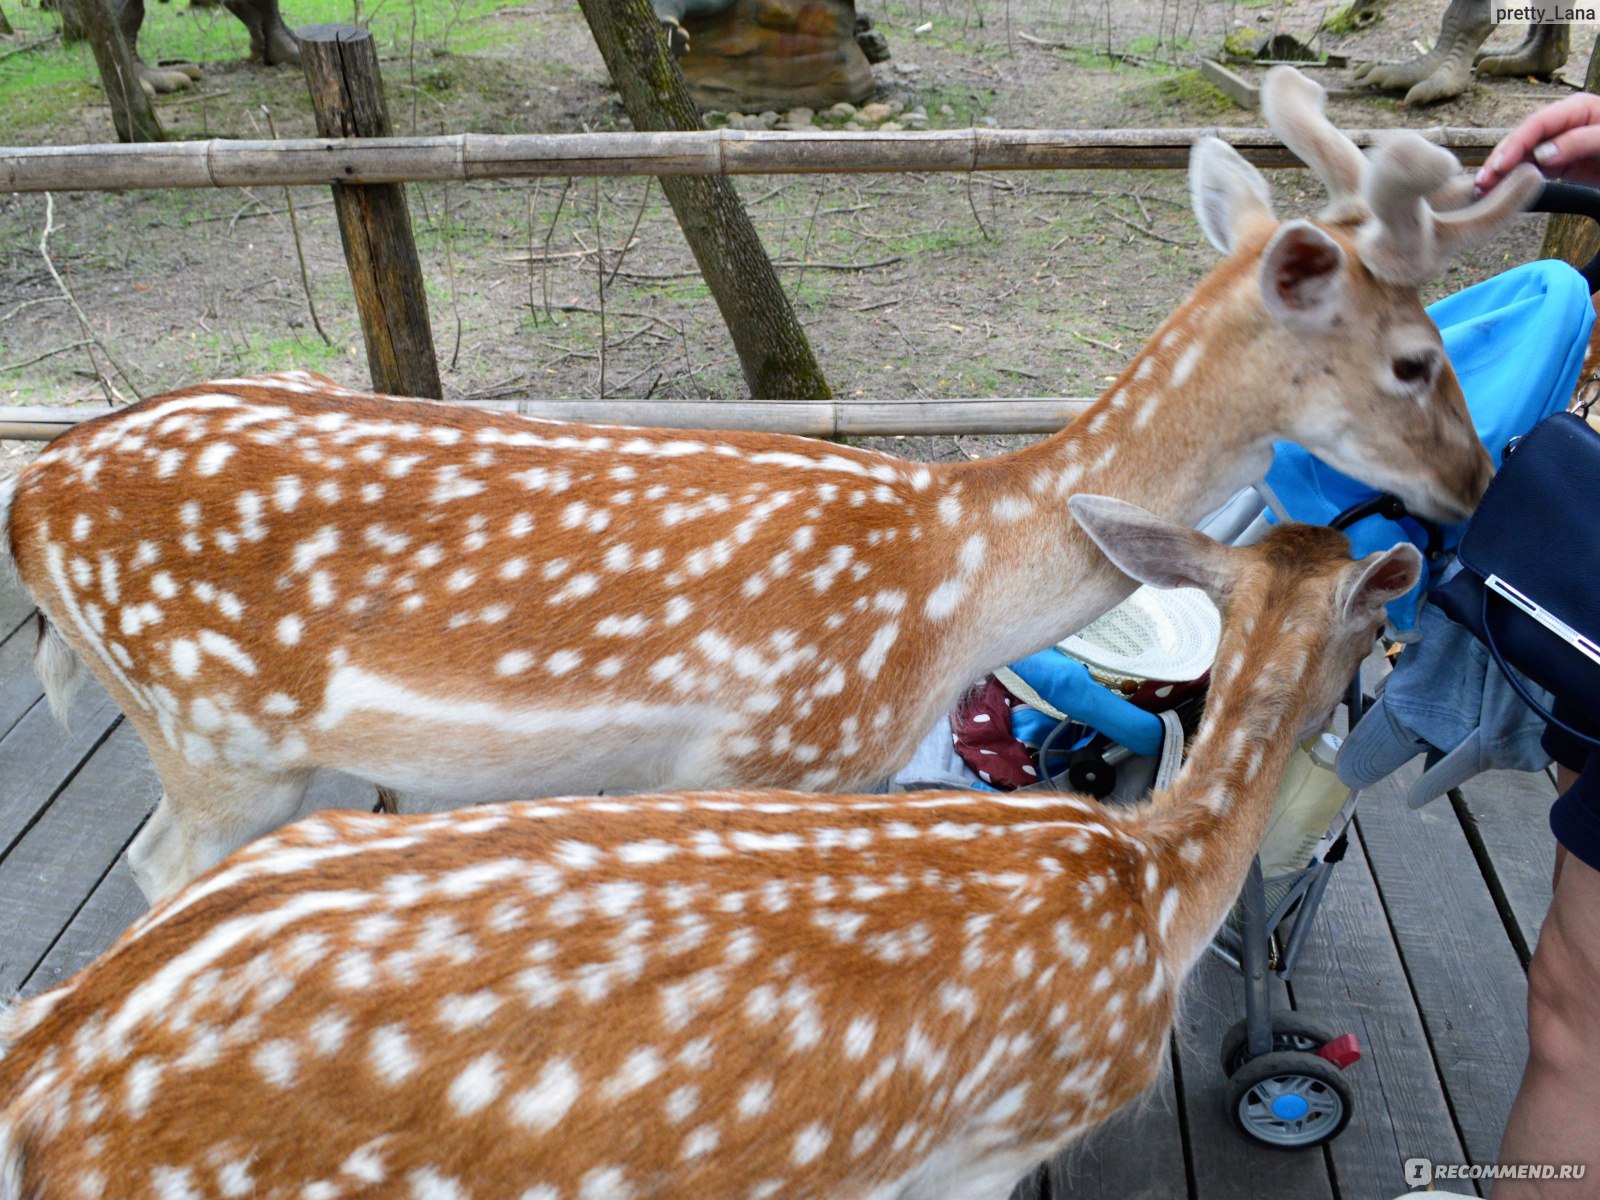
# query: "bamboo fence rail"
472 156
811 418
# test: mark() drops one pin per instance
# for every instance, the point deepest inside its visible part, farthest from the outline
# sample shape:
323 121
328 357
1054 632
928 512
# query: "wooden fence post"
1575 239
341 65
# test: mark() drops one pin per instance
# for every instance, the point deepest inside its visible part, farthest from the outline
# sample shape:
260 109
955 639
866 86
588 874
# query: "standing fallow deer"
691 995
272 576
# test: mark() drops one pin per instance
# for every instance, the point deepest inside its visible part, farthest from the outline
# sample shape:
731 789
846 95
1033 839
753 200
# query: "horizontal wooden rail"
467 156
812 418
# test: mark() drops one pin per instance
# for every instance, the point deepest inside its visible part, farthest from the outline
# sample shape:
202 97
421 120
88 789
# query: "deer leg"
1444 71
129 16
204 816
1543 52
271 43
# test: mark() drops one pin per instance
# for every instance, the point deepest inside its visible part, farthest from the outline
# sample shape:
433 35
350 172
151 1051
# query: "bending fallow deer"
276 575
714 994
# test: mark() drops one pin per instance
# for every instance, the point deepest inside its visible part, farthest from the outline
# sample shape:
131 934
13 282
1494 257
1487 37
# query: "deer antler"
1408 194
1409 239
1293 106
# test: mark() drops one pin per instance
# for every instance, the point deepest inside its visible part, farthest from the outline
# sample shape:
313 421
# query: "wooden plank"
1349 972
19 687
1227 1163
15 606
1137 1155
808 418
1463 969
111 908
49 874
1245 95
468 156
37 757
1507 816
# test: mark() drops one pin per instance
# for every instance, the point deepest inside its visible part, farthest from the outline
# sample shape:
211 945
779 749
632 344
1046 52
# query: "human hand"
1563 140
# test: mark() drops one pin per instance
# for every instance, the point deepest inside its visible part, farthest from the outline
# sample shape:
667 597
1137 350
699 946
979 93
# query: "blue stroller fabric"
1066 683
1517 343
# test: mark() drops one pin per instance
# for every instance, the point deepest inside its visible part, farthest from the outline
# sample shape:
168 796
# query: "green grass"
46 83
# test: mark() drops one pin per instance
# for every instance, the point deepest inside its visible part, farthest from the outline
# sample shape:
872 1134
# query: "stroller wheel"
1290 1031
1289 1100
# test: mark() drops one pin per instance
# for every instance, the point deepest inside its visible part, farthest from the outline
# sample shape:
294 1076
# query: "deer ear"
1151 549
1228 194
1384 577
1302 276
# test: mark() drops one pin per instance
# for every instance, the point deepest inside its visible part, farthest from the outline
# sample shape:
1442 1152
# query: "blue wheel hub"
1289 1107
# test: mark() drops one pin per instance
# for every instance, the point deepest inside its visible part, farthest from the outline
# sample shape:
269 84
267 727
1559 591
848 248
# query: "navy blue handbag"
1529 584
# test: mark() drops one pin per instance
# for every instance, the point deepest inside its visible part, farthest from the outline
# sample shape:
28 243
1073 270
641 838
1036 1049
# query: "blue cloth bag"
1517 343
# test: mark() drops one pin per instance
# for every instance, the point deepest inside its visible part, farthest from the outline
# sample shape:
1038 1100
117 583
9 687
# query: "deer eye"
1413 367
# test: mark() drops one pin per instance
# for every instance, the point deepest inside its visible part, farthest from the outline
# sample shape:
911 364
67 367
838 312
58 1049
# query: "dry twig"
299 249
77 311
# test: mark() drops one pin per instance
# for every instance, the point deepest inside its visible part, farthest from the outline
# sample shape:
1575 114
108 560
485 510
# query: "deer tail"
59 669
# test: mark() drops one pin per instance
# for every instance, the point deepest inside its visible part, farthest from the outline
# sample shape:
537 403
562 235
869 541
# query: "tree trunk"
5 25
772 347
131 110
1575 239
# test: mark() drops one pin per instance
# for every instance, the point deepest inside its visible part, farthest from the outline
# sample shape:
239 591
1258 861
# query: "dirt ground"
909 286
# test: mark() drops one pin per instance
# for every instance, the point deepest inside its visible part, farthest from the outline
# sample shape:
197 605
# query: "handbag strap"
1521 688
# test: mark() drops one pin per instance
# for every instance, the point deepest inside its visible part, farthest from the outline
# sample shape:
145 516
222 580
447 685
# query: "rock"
890 127
767 119
920 111
854 126
841 111
896 107
913 119
876 111
946 111
735 117
800 117
988 122
713 118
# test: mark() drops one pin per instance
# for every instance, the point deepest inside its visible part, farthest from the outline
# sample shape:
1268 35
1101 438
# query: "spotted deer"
690 995
277 575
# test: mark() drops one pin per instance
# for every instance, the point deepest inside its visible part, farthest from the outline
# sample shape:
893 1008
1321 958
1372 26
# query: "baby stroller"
1517 343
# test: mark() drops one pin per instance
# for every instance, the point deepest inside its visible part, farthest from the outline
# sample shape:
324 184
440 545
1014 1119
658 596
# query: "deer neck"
1189 423
1206 828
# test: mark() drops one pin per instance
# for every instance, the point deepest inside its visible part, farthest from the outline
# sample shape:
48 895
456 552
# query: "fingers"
1556 138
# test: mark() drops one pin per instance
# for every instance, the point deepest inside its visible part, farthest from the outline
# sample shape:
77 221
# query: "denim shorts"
1575 816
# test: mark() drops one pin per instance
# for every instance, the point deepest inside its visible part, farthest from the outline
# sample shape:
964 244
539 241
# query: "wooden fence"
471 156
364 171
810 418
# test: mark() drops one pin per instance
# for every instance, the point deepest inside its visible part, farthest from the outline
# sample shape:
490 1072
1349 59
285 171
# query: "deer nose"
1460 492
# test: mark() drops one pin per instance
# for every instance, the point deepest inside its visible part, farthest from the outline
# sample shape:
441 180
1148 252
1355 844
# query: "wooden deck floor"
1420 950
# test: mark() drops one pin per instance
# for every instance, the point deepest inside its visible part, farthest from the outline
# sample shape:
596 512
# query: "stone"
988 122
913 118
854 126
800 116
890 127
876 111
767 119
946 111
841 111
